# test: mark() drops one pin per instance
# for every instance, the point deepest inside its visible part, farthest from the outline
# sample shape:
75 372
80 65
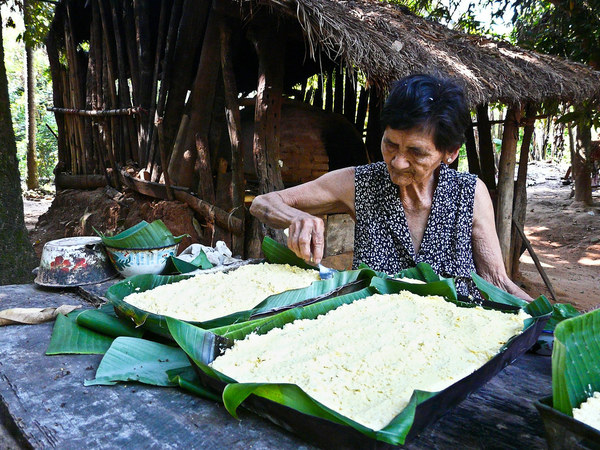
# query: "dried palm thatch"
387 42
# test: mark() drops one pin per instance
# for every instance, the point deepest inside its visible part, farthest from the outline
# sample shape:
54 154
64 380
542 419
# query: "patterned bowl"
74 261
137 261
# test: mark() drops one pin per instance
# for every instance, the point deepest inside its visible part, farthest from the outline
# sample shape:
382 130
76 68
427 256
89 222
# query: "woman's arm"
295 208
486 247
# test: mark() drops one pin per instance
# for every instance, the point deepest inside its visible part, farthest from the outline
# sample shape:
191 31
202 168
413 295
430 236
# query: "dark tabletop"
44 402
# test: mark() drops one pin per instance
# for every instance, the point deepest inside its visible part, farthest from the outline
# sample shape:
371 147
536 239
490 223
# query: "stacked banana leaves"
289 406
575 377
275 253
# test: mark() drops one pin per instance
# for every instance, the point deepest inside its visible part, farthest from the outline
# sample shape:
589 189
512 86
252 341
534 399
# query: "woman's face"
410 155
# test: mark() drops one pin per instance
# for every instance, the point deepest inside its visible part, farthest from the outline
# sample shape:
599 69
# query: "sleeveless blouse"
382 238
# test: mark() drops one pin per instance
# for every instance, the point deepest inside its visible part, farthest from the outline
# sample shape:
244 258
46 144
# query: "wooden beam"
506 182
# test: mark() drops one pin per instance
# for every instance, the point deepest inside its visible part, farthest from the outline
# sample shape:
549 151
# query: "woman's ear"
451 155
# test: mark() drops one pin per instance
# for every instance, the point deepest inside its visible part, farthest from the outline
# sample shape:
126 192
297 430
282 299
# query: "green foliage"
14 47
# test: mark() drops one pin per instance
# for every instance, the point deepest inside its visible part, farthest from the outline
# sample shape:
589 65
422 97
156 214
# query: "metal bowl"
74 261
136 261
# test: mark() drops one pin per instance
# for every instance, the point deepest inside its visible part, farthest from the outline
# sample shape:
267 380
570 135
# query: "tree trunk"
32 175
18 258
580 163
506 182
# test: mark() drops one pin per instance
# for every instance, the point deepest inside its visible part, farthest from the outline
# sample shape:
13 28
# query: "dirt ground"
565 235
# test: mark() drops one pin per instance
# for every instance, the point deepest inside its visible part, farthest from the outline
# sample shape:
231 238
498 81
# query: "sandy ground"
565 236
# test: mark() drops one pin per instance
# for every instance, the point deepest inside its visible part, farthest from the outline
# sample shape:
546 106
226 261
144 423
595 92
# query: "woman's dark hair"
432 104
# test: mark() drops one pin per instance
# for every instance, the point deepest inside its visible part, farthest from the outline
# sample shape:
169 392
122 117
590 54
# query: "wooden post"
361 110
338 93
471 147
234 125
506 182
486 148
329 92
374 131
520 201
270 47
350 97
200 114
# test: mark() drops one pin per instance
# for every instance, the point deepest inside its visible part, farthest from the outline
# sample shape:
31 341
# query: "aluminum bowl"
136 261
74 261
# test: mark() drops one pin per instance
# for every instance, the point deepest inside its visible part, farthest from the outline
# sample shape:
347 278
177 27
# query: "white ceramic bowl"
136 261
74 261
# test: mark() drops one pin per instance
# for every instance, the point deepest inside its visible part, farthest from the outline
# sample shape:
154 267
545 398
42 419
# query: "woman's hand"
297 208
306 238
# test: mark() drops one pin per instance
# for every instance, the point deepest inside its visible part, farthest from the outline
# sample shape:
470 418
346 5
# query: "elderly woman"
411 207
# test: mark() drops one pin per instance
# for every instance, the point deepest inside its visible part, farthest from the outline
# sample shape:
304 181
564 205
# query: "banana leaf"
422 271
186 378
576 361
291 407
179 266
134 359
70 338
89 331
142 236
276 253
560 312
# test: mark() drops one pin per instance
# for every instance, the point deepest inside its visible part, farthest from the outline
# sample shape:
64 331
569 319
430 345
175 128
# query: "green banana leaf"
202 346
134 359
186 378
576 361
560 312
442 287
179 266
70 338
142 236
279 254
422 271
89 331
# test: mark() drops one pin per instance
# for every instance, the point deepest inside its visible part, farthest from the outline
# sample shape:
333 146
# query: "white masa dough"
589 411
365 359
208 296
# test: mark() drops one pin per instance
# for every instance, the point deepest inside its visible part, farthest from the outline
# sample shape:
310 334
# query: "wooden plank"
506 182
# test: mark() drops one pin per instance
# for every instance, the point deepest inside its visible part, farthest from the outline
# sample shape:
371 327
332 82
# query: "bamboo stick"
98 112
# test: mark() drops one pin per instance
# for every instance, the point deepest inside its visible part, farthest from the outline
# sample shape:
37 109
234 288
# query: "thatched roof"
387 42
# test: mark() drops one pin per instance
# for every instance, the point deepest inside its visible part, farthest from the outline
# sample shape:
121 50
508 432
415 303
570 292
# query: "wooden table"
44 403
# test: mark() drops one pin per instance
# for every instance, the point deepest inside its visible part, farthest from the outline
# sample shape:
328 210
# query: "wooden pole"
374 131
536 260
506 182
520 197
270 47
361 110
211 213
350 97
486 148
338 95
472 156
234 125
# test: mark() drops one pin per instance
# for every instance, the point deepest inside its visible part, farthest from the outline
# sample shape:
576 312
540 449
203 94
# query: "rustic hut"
210 102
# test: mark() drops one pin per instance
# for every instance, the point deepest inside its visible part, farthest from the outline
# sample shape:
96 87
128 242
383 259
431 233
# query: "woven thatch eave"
386 43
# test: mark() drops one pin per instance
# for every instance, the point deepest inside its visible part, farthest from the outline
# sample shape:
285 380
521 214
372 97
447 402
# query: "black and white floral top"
382 238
